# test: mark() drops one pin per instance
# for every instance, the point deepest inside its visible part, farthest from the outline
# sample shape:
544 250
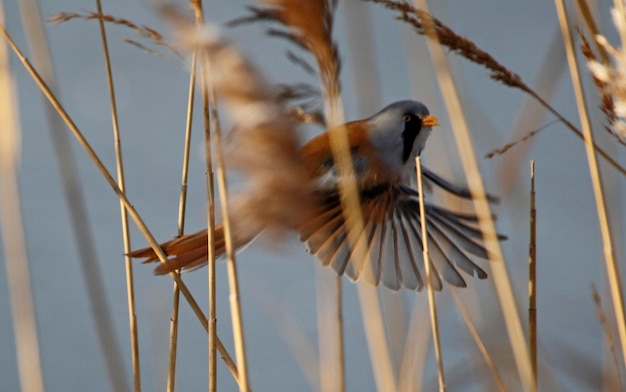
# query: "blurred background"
152 97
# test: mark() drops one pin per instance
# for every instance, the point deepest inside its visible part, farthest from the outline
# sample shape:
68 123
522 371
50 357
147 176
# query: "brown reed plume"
302 101
263 143
469 50
308 25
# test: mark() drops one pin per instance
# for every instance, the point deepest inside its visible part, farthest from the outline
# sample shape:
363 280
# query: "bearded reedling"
383 150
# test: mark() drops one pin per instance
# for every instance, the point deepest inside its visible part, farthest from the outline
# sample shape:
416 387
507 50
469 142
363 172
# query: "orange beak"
430 121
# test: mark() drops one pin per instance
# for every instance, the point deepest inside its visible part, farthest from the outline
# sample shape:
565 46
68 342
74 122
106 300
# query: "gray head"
399 132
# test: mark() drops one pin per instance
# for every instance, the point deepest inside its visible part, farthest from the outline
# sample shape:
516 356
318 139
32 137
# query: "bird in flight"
383 150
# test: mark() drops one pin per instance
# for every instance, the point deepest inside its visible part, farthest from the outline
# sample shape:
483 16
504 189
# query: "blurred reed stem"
75 203
415 351
432 305
608 336
612 265
479 341
12 230
141 225
486 223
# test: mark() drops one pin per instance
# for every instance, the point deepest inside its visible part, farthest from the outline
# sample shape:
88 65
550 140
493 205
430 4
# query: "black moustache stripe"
412 128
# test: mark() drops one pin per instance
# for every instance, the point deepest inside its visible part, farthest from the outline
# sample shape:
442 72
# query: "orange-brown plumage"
382 150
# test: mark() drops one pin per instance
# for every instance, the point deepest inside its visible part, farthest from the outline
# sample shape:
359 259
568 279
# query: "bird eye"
406 117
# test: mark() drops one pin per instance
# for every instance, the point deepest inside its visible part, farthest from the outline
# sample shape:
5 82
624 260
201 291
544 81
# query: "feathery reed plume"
143 31
263 143
606 105
610 79
308 25
302 102
462 46
502 150
144 48
468 49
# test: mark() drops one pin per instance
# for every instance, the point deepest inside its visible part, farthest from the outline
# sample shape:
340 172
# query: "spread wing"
392 237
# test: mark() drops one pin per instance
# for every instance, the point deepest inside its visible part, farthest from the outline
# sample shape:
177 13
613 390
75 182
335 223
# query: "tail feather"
190 251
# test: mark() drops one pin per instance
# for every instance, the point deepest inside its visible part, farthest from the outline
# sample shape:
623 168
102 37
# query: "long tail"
187 252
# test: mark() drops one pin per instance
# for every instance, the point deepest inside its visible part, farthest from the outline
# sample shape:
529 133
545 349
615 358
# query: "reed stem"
486 223
612 265
130 285
141 225
532 278
432 305
12 230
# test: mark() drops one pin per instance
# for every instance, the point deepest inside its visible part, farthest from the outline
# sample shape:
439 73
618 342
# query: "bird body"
383 150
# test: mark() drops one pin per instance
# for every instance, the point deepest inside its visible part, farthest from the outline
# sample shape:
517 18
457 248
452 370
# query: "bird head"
383 146
398 133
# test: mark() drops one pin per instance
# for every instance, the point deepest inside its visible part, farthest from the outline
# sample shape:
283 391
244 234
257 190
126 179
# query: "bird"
383 149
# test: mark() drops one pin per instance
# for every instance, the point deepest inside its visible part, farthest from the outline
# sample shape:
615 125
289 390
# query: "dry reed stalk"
211 104
464 47
12 229
532 279
479 342
608 334
182 206
130 289
431 293
612 265
481 205
173 340
141 225
210 120
237 320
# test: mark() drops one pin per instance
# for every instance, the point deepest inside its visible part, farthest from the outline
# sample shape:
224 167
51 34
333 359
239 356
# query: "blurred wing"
392 238
455 189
